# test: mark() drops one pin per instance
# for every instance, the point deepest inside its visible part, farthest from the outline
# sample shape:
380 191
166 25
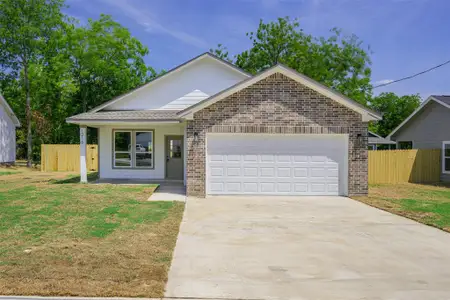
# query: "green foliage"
395 109
71 68
339 62
27 29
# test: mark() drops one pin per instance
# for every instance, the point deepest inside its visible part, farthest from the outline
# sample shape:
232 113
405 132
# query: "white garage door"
276 164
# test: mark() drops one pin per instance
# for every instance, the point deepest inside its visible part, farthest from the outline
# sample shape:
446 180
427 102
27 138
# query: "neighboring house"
224 131
8 124
375 140
428 127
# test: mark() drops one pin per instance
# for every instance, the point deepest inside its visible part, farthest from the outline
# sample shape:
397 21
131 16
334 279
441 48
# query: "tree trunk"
28 111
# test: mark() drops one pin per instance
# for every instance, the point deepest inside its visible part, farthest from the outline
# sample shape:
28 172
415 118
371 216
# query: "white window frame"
133 157
128 152
132 151
444 143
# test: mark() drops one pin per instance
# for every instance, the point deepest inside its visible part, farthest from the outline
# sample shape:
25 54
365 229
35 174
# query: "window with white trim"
133 149
446 157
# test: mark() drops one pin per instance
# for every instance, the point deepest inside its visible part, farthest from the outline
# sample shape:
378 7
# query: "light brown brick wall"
280 105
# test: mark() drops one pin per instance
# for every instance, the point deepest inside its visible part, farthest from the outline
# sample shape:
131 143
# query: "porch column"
83 167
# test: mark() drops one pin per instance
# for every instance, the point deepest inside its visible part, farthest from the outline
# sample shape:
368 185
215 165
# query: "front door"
174 157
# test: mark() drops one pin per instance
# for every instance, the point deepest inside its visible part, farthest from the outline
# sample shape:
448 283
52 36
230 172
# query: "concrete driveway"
305 248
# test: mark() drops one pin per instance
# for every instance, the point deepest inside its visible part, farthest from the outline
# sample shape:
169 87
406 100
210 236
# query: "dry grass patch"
428 204
69 239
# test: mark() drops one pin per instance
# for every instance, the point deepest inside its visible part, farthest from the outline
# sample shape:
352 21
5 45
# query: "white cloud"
382 81
140 16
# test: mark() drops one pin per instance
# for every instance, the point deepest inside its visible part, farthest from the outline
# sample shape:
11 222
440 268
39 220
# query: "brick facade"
277 104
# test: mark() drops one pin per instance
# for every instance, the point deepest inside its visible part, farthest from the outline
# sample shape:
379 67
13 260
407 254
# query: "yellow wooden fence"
67 158
397 166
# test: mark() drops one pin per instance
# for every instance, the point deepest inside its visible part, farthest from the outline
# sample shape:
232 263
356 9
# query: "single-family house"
8 124
375 141
428 127
221 130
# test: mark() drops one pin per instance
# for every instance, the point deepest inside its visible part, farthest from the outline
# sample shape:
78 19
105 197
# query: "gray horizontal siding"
428 128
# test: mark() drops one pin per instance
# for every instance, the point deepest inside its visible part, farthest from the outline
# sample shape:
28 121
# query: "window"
122 149
405 145
144 149
175 148
446 157
133 149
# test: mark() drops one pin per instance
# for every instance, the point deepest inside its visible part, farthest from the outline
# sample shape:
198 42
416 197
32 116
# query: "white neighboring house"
8 124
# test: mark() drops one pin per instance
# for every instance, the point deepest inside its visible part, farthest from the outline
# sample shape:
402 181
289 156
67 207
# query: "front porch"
137 153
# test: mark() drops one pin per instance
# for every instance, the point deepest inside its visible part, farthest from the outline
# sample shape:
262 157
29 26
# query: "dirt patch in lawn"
74 239
428 204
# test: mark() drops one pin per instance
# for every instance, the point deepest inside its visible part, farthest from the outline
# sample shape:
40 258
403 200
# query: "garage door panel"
250 158
216 158
301 173
250 171
301 187
285 165
284 172
217 171
250 187
267 158
333 187
267 171
233 158
233 171
318 188
233 187
217 187
267 187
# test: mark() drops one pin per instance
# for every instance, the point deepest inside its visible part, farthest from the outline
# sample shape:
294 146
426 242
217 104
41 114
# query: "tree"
339 61
106 61
394 108
221 52
25 30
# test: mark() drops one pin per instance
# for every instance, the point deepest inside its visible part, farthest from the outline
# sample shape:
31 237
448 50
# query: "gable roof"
9 110
368 115
442 100
170 72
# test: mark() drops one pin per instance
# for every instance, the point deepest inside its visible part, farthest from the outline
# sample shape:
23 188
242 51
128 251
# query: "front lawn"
428 204
59 237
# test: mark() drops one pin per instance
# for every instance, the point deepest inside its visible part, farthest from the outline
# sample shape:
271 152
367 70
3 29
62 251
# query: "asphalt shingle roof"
443 98
127 115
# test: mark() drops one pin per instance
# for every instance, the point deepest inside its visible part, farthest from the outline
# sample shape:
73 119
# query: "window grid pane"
143 157
447 150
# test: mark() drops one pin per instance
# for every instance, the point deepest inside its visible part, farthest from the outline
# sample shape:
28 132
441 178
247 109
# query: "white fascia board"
367 115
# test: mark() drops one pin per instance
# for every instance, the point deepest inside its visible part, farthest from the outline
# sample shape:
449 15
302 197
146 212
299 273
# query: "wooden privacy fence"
67 158
397 166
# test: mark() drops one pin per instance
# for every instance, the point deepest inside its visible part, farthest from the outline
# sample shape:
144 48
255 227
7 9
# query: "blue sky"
405 36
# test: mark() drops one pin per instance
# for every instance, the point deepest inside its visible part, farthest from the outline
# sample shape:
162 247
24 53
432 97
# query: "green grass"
428 204
2 173
98 209
58 236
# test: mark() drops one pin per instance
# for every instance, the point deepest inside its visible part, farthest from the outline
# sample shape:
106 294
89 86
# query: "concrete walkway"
305 248
169 191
